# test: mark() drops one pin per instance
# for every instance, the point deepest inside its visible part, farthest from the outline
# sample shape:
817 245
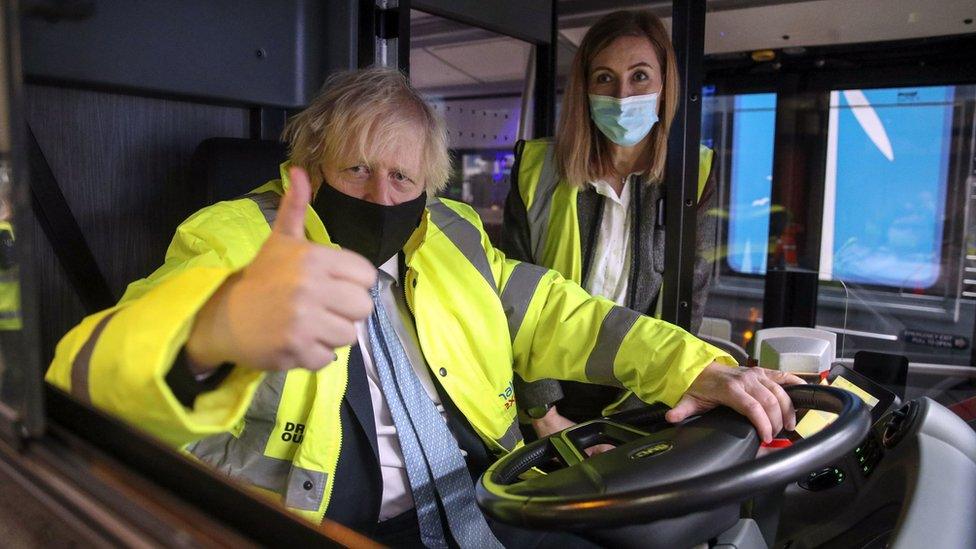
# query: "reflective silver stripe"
305 489
9 276
517 294
81 366
464 235
616 325
511 437
227 454
538 212
10 315
267 202
243 457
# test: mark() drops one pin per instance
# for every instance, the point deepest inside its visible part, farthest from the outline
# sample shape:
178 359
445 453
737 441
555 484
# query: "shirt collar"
390 271
603 188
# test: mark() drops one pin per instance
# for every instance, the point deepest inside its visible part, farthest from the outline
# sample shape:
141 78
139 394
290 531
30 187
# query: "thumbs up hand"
292 306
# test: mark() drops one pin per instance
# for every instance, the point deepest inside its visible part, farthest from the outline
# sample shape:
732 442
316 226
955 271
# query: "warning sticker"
933 339
815 420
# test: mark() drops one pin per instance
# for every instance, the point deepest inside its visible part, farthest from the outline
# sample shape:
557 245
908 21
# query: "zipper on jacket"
331 489
636 236
594 231
403 270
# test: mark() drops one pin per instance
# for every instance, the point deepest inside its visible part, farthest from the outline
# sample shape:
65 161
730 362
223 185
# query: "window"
740 128
475 79
744 126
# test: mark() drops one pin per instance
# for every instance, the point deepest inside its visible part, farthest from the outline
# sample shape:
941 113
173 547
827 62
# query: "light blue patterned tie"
430 451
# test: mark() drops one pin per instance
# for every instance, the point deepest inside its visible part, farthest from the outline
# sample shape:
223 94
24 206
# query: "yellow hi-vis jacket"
551 207
478 317
9 287
553 220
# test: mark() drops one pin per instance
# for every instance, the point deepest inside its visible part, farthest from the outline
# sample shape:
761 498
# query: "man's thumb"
685 408
290 220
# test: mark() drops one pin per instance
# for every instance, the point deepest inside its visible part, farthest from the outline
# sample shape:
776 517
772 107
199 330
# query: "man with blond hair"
248 349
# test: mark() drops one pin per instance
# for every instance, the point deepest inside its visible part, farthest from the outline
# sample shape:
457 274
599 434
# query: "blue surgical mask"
624 121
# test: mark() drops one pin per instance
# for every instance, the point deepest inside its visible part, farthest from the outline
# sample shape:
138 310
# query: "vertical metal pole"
403 36
544 100
392 30
366 34
384 56
267 122
790 293
970 114
688 36
526 117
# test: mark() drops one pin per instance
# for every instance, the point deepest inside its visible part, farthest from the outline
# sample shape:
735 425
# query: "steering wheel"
659 470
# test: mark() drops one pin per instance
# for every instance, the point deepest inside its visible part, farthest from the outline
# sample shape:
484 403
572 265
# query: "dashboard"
915 469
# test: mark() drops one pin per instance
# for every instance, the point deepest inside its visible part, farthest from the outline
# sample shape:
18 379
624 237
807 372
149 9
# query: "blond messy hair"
582 152
364 113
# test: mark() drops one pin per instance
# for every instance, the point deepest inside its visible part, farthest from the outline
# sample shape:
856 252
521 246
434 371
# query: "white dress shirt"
612 254
397 496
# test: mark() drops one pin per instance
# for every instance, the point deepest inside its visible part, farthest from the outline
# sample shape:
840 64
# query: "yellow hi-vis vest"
550 204
478 317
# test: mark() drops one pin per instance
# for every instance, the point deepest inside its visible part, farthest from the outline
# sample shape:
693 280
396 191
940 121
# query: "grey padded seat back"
230 167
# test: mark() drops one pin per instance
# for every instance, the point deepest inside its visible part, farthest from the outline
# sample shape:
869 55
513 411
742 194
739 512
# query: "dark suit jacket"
359 484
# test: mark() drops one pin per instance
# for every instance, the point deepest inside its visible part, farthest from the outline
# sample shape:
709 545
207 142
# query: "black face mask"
374 231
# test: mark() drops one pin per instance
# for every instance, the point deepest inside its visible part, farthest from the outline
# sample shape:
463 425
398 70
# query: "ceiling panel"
494 60
826 22
427 71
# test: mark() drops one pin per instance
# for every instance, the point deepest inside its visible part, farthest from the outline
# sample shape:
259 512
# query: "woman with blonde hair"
589 202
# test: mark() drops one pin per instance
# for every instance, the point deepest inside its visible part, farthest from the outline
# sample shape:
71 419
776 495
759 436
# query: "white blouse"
613 251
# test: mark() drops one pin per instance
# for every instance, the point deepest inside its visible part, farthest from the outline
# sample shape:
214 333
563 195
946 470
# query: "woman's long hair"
582 153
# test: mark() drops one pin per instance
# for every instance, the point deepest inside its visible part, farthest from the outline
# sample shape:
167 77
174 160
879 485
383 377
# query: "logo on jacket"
294 432
508 396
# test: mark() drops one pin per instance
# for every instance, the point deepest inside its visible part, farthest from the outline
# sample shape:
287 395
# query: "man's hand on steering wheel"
756 393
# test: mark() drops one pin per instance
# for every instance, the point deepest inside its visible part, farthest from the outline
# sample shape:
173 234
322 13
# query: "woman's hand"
552 423
756 393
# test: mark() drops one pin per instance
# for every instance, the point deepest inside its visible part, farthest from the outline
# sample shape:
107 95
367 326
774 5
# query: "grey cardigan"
646 274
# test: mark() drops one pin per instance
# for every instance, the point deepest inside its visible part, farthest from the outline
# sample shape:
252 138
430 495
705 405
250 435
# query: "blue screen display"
891 177
886 168
753 131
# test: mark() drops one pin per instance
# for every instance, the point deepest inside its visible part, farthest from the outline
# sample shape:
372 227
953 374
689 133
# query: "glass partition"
740 128
20 373
884 215
894 268
753 124
476 79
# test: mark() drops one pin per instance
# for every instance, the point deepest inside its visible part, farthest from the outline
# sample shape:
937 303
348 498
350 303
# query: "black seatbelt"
62 230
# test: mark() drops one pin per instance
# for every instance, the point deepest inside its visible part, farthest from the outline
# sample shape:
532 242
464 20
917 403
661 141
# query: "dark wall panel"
123 164
244 51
